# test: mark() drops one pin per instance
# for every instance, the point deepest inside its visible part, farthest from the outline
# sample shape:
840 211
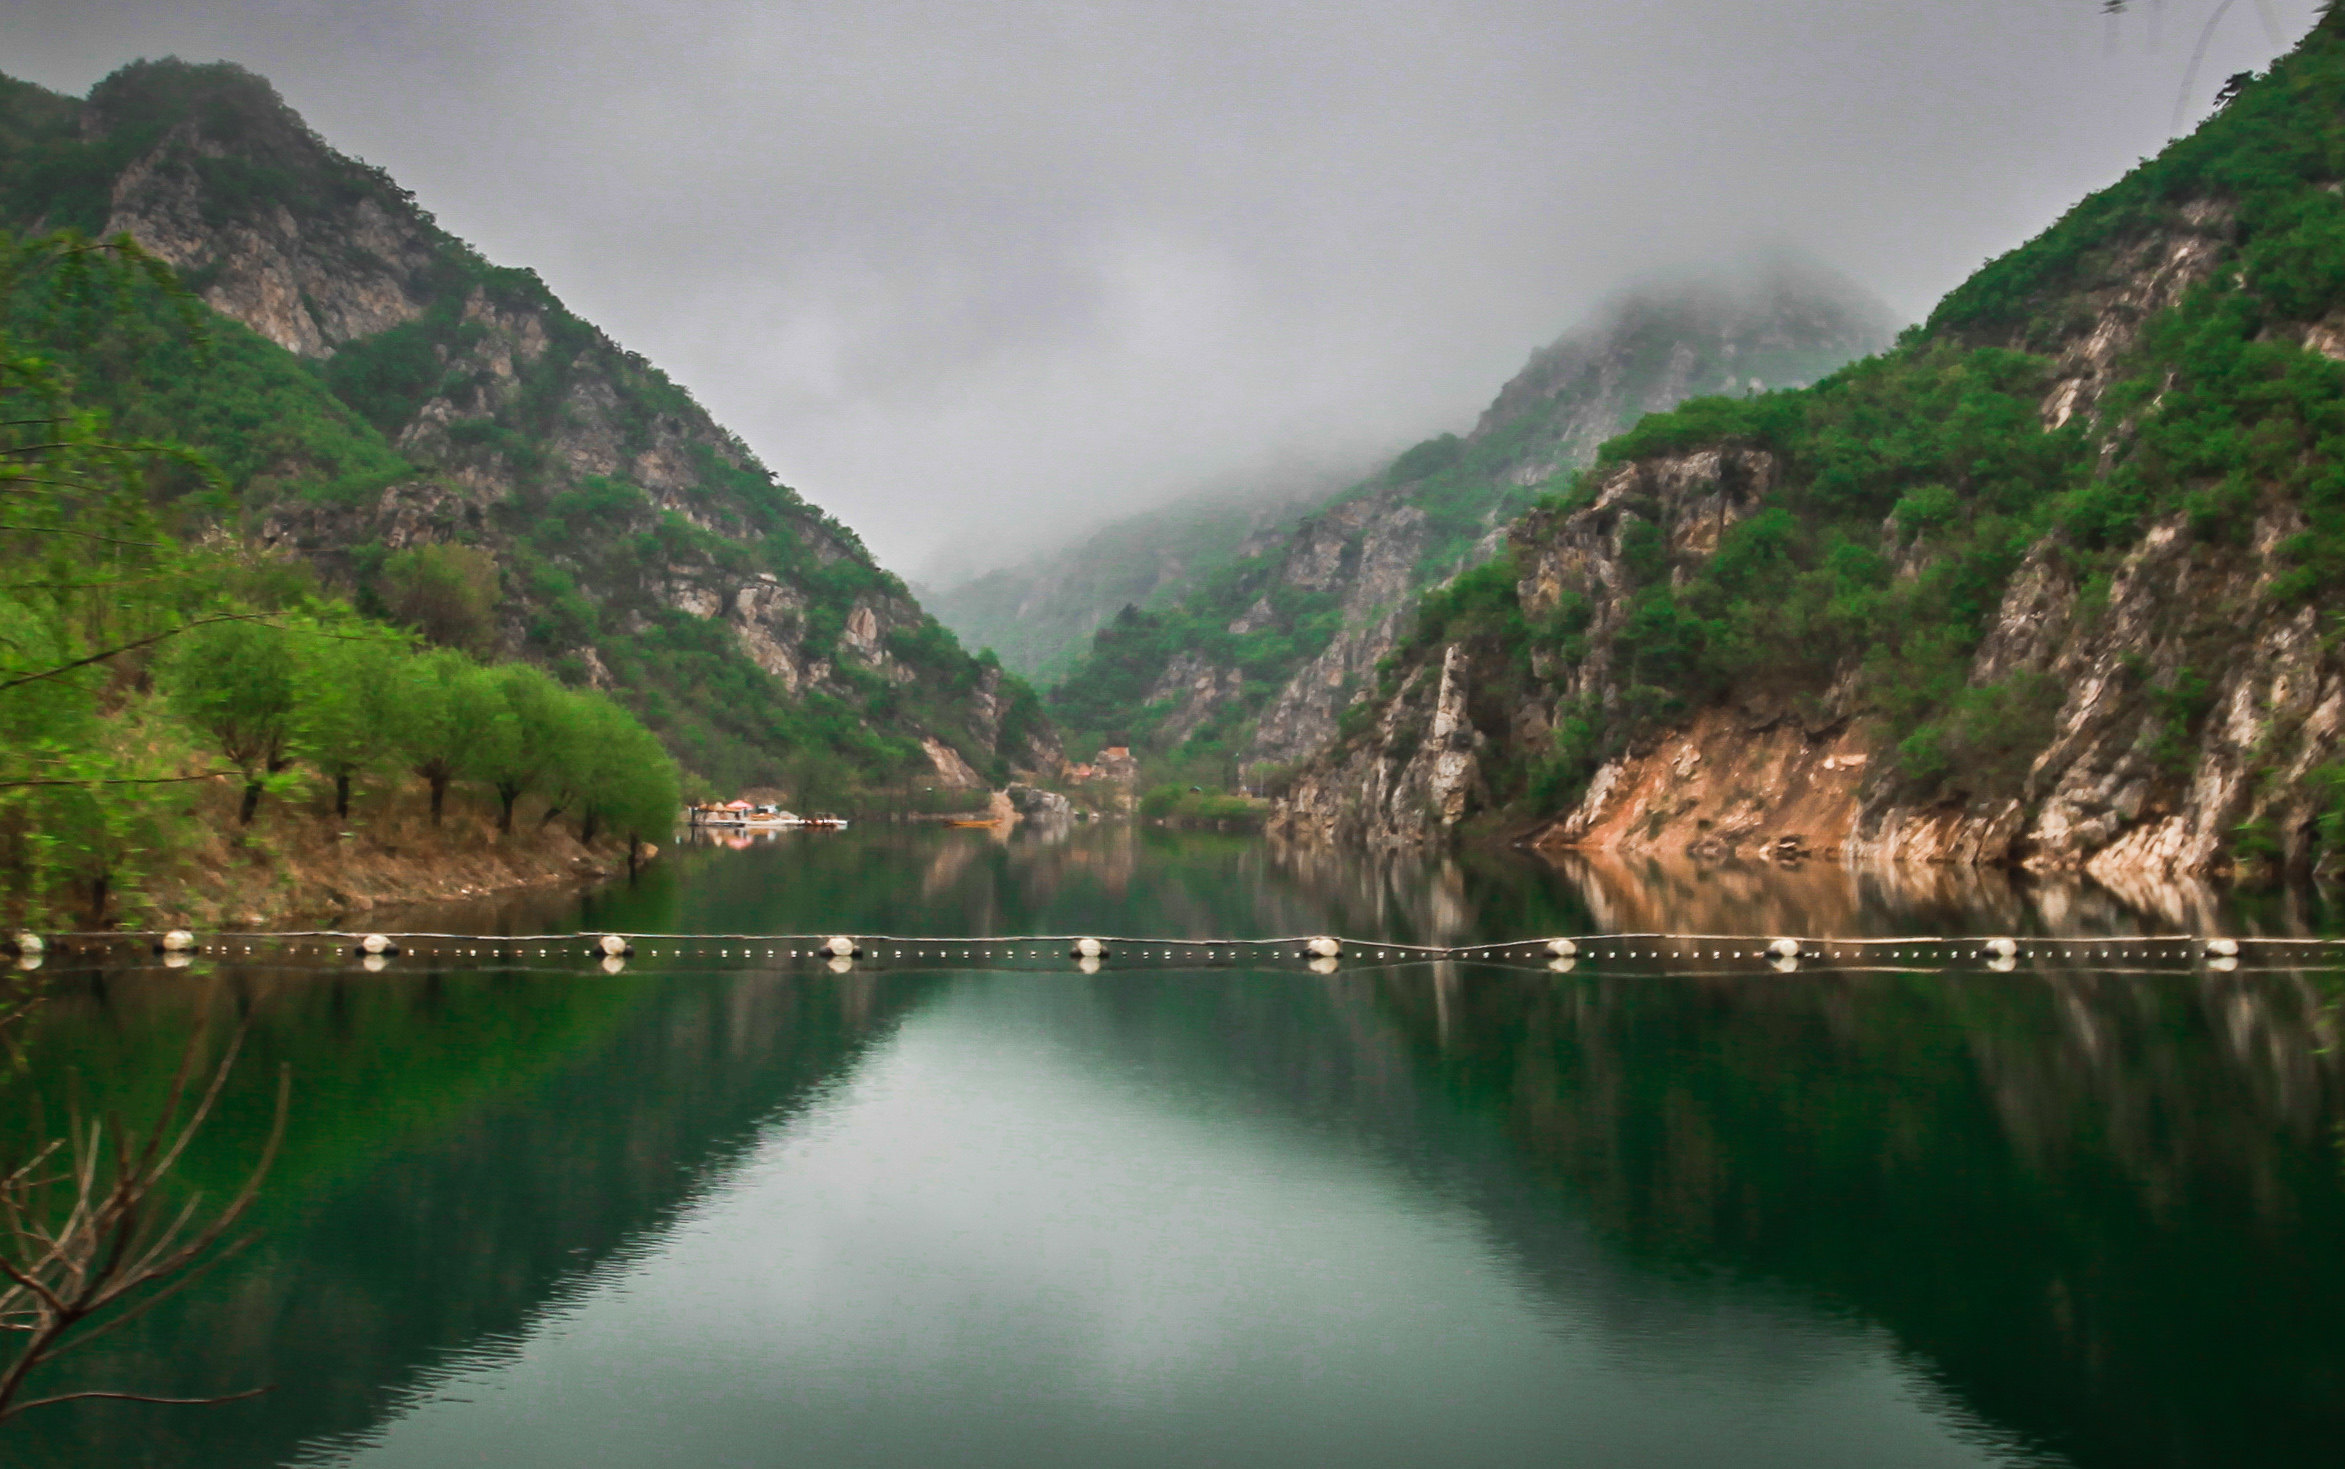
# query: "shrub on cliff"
445 591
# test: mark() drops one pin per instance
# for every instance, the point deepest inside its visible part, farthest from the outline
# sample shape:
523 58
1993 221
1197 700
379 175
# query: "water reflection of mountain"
2106 1214
402 1230
1677 895
1118 878
1474 895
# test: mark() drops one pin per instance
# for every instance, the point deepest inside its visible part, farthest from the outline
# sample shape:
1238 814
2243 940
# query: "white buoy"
177 941
840 947
377 944
1784 949
28 943
2223 948
1090 949
2223 965
2002 948
1324 947
1563 948
615 946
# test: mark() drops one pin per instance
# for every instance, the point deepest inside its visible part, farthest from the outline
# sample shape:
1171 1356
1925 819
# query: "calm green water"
1442 1215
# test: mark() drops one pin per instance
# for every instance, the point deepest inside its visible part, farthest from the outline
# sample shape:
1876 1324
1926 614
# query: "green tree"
108 813
232 681
446 709
343 696
91 586
527 752
617 775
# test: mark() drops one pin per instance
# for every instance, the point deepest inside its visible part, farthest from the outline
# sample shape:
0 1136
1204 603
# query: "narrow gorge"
1251 666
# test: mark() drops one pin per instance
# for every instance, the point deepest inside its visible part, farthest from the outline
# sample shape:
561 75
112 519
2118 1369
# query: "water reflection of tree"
475 1145
2102 1209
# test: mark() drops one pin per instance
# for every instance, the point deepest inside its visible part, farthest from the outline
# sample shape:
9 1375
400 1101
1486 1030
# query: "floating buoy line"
1091 954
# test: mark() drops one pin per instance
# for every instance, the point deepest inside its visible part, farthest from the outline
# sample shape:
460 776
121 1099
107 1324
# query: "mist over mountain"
1776 320
1039 612
1251 665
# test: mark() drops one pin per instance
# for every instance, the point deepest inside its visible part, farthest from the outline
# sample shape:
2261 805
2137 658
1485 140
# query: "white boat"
737 817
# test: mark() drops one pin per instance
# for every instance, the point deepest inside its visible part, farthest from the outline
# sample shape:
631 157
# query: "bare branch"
132 647
52 530
2190 73
151 780
131 1397
67 1273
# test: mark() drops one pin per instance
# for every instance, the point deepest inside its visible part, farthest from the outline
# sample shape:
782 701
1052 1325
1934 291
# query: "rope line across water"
1091 952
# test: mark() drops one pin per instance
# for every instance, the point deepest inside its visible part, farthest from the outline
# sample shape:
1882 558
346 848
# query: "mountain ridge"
425 397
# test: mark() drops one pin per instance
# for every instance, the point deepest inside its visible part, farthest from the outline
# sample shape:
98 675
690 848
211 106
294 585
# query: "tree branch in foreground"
84 1229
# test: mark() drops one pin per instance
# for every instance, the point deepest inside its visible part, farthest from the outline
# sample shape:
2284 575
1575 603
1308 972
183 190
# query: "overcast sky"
982 273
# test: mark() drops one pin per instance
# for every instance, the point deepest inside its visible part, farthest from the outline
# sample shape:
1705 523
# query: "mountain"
1252 666
443 439
2056 582
1039 613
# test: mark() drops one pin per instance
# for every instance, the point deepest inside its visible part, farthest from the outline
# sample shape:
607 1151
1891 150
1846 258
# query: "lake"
536 1214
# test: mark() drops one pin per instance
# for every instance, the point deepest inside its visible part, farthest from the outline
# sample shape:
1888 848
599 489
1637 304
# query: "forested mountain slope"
443 438
2056 581
1252 666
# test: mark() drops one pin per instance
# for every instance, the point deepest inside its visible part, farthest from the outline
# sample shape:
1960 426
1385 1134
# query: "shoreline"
300 863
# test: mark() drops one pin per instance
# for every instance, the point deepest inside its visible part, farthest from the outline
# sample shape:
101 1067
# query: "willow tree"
233 681
445 710
617 775
345 683
525 752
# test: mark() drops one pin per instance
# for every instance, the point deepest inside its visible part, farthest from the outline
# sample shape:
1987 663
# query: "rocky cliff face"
1365 554
639 545
2150 686
1336 588
308 281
